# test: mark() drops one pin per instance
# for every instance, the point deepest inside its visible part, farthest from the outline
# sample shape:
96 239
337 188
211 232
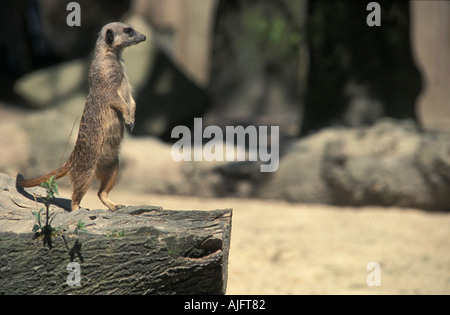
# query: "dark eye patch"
129 31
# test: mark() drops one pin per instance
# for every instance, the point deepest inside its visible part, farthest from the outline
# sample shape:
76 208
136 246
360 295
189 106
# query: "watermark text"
262 145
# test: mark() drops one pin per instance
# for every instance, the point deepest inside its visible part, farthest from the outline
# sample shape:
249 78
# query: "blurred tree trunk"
184 28
193 47
255 63
430 27
359 73
303 51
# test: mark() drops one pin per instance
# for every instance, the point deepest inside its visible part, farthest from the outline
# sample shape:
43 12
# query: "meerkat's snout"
143 38
140 38
134 35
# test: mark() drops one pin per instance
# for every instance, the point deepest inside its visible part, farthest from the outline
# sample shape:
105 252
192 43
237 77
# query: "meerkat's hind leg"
107 174
79 189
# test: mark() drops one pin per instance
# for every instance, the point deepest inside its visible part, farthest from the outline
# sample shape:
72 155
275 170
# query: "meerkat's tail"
60 172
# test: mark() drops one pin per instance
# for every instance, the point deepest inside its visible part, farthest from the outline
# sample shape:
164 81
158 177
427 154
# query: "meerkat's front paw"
129 121
130 125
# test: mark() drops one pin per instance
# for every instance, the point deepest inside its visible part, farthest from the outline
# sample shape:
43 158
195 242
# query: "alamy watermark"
74 17
262 145
74 277
374 277
374 17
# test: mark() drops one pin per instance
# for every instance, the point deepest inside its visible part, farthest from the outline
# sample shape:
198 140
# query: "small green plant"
80 226
52 188
46 232
115 233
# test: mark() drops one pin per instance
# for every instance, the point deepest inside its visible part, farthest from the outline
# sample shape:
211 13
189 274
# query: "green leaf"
36 228
51 186
37 215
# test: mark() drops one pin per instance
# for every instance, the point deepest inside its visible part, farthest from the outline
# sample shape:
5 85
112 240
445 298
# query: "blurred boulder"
391 163
51 85
14 141
299 177
48 141
147 166
433 161
375 166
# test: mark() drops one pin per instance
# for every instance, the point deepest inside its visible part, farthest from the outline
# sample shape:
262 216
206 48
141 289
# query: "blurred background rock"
363 111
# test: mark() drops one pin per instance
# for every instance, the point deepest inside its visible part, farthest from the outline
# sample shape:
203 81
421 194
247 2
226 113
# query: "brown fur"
109 107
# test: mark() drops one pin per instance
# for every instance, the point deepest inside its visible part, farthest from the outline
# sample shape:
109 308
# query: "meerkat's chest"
112 131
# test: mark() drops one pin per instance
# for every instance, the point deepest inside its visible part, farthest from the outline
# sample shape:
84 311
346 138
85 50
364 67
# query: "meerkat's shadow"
60 202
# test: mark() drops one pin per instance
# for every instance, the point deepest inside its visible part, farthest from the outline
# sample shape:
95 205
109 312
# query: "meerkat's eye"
129 31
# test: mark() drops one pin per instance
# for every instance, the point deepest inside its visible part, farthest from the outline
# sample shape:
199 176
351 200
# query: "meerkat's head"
117 36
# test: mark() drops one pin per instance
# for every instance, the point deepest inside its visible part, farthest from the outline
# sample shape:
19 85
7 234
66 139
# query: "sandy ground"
284 248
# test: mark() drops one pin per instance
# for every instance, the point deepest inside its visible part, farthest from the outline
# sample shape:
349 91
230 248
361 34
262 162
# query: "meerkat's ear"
109 37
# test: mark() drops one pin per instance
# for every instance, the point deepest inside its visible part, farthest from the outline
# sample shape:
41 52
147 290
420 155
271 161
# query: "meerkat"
109 107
